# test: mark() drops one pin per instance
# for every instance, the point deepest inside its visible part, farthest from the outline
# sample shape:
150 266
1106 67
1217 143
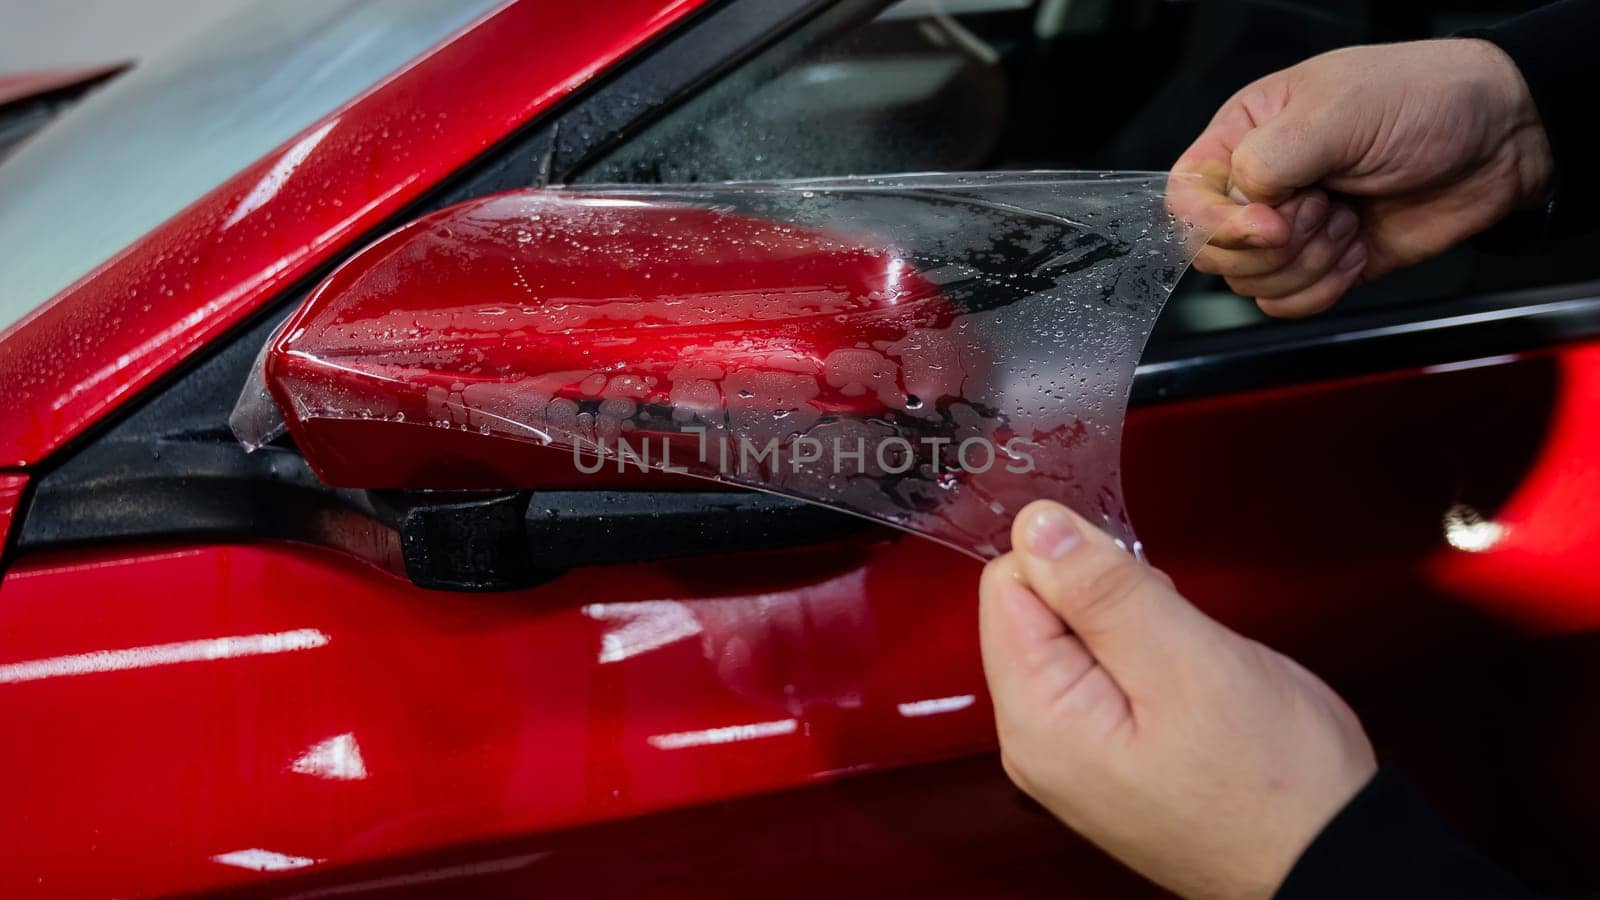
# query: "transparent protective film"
929 351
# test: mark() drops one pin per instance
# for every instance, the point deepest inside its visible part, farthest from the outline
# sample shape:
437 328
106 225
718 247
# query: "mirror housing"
931 351
466 316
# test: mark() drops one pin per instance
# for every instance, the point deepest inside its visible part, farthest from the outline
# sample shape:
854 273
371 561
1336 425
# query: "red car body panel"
12 488
119 328
197 710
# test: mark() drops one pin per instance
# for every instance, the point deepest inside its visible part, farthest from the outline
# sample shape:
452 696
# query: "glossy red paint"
1370 482
273 699
12 486
137 316
245 714
1533 561
489 318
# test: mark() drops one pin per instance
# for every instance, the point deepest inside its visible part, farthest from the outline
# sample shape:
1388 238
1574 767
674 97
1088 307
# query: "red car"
219 674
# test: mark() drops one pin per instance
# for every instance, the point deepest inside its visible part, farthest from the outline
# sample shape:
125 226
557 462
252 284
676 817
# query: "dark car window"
1001 84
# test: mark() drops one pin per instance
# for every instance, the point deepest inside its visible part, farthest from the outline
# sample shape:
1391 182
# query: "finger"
1133 623
1346 274
1034 666
1316 259
1286 152
1308 212
1197 193
1027 649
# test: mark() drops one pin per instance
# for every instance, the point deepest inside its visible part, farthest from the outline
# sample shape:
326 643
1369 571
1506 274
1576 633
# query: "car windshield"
160 137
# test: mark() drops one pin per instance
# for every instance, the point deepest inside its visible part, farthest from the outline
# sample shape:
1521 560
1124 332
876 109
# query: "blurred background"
920 85
45 34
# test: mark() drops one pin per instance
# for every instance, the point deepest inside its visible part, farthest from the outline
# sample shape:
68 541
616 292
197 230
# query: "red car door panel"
287 700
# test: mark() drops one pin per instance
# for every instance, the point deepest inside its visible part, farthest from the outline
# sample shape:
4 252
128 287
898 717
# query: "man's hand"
1201 759
1359 162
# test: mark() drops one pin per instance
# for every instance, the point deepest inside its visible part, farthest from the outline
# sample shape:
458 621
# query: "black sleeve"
1555 46
1389 843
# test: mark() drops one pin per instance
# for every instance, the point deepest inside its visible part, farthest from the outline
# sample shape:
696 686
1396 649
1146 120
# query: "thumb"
1127 614
1290 151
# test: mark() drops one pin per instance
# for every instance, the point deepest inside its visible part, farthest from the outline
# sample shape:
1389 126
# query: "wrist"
1532 164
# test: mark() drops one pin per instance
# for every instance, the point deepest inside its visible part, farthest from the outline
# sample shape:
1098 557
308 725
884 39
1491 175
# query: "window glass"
164 134
1061 84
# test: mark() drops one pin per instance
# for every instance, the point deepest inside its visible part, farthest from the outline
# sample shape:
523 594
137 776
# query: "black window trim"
1380 340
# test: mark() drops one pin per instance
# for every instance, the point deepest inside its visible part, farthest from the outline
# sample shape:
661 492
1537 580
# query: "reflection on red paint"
419 716
12 487
200 651
1534 561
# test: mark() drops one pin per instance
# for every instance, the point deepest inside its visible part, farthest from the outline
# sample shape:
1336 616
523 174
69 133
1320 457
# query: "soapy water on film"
929 351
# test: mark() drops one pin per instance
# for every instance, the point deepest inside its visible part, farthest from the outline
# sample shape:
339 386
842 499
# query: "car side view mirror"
931 352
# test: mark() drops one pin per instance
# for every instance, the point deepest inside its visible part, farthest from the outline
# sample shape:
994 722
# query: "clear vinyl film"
929 351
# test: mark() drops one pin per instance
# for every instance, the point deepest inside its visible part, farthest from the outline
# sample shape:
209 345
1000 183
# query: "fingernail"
1343 224
1356 255
1312 212
1237 196
1051 533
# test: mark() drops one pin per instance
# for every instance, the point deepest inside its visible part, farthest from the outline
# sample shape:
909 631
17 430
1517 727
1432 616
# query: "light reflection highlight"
1468 531
725 735
934 706
641 627
273 181
1466 364
258 860
610 202
162 655
336 759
